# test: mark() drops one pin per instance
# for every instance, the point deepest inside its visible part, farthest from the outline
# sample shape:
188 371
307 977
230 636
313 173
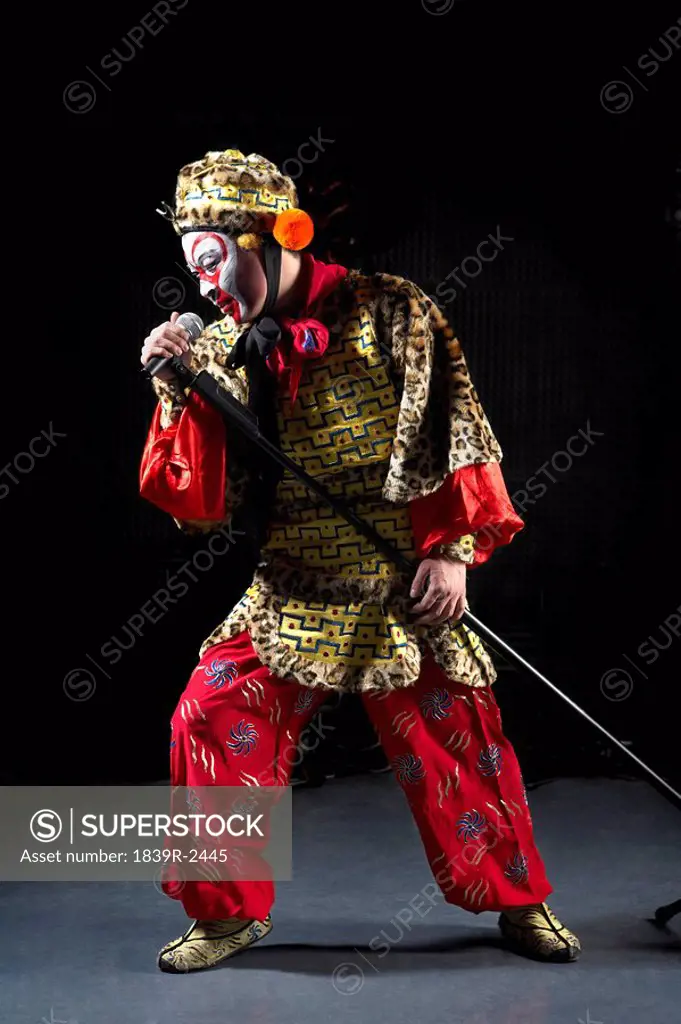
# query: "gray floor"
85 953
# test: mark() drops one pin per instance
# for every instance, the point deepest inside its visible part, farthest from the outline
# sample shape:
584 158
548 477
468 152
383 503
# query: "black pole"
244 420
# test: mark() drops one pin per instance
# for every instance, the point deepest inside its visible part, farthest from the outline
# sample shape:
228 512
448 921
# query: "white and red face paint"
213 257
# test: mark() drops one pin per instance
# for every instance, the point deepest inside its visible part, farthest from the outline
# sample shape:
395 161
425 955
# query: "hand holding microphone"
168 340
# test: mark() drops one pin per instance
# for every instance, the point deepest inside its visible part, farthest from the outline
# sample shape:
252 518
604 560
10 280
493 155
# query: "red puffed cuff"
183 468
472 500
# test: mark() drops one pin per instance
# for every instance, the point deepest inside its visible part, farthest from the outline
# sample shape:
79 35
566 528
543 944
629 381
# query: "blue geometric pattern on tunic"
220 672
436 704
489 762
408 768
244 737
471 825
516 869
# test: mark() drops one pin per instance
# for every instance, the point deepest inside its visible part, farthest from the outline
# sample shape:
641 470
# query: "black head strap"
251 350
272 257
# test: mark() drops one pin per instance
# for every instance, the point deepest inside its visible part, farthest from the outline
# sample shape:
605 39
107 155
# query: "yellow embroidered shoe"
536 932
207 943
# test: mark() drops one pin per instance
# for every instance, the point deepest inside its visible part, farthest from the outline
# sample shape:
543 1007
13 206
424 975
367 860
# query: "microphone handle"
156 364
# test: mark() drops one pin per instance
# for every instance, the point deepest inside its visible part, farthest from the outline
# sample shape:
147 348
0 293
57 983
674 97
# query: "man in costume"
361 381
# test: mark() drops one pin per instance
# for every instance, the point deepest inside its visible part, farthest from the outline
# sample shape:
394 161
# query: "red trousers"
237 724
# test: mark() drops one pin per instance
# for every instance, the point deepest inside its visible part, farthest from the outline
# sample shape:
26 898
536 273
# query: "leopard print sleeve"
441 424
209 353
461 550
171 398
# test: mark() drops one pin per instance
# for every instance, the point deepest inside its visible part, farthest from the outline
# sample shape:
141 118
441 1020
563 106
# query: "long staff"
245 421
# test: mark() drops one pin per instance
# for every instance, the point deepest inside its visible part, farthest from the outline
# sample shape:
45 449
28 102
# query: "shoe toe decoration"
208 943
538 934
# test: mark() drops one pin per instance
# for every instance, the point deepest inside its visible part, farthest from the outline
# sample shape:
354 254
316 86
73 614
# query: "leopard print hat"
227 191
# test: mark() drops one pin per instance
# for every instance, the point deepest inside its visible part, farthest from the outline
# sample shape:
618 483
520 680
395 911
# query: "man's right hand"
167 340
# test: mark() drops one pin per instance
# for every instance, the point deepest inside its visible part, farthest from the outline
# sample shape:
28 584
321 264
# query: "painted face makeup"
212 256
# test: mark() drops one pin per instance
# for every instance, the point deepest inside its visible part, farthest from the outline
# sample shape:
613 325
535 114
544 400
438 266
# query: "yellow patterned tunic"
383 417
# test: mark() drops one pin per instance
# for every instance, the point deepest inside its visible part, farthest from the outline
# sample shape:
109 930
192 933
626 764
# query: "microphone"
193 325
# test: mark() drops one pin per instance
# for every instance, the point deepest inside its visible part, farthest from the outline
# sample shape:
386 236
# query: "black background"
440 129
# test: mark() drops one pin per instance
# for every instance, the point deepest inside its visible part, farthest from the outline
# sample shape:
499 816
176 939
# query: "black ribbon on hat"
255 344
253 347
251 350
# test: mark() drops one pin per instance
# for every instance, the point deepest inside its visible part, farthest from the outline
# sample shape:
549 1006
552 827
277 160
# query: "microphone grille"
191 323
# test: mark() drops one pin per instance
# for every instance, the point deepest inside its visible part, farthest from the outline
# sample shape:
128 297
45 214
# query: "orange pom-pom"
293 229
